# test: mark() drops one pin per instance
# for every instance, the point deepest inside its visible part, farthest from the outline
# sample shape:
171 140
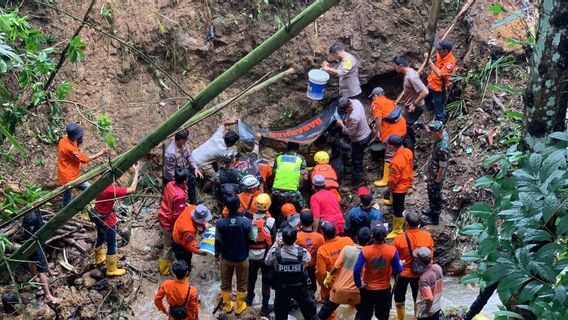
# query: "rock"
97 274
88 281
78 282
190 44
457 268
40 311
89 312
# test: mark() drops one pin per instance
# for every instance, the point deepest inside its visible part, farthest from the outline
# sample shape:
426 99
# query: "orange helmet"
288 209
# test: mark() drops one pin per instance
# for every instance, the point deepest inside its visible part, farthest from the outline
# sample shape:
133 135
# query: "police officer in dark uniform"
436 171
290 280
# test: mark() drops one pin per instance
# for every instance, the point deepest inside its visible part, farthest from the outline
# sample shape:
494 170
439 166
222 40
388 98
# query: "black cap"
74 131
379 232
342 104
395 140
444 44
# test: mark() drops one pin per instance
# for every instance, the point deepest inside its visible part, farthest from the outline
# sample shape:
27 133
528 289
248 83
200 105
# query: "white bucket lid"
318 75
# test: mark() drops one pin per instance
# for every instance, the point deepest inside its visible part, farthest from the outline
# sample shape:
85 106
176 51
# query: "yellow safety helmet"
321 157
263 202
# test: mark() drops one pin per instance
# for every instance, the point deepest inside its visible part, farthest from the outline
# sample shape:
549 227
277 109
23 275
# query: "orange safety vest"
264 238
326 171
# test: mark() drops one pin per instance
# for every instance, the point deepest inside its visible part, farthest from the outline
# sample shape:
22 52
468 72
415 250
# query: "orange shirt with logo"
381 108
69 160
311 241
418 238
185 231
378 266
327 255
175 292
447 66
247 200
401 174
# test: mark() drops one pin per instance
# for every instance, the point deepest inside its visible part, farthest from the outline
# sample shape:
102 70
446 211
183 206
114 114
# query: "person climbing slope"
436 173
439 79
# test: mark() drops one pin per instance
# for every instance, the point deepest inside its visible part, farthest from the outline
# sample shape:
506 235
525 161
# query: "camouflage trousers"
280 197
435 197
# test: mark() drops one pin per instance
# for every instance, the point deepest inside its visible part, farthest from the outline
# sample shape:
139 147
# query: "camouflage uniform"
440 158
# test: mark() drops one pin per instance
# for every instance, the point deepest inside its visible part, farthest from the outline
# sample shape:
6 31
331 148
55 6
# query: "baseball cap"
422 253
444 44
74 131
378 91
318 181
342 104
436 125
201 214
363 191
395 140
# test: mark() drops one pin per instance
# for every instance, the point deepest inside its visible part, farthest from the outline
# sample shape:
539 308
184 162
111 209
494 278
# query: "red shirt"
104 203
324 205
173 203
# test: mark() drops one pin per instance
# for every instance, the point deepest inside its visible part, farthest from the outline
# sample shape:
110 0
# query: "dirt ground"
115 80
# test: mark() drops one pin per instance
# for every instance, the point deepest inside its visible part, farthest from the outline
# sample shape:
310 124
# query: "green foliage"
107 14
76 50
26 62
104 126
13 201
522 234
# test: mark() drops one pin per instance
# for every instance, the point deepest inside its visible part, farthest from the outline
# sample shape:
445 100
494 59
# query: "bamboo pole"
207 113
123 162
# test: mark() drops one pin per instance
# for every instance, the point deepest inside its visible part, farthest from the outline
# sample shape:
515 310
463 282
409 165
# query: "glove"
386 194
327 280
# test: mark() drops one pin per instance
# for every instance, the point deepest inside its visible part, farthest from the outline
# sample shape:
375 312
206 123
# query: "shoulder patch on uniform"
190 237
449 66
348 63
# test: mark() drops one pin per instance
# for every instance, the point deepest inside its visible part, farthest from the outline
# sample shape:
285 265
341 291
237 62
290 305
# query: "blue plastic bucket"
208 242
317 81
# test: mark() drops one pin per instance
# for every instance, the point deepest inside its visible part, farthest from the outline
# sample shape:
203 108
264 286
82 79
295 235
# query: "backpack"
415 266
180 312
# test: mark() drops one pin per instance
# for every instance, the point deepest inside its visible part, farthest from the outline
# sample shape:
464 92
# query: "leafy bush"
522 234
13 201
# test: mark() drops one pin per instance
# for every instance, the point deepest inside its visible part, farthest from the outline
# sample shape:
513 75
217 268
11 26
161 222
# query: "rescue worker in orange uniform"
405 243
181 296
389 120
247 198
372 272
190 223
326 257
443 68
173 202
324 169
344 290
263 223
311 241
70 159
400 181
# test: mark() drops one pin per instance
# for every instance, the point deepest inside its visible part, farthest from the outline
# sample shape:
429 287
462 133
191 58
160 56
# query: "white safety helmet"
249 181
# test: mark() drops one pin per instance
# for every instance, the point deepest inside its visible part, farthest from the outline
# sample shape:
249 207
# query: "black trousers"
400 286
357 154
327 309
435 316
481 301
435 198
301 295
312 277
379 301
254 267
191 187
181 254
398 204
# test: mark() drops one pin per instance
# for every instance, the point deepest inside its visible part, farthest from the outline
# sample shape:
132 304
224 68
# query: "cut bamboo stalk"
123 162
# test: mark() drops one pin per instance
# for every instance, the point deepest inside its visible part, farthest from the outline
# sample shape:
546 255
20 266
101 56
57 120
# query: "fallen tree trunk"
123 162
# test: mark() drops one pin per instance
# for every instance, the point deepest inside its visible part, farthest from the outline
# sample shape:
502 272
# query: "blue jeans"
68 194
438 99
106 234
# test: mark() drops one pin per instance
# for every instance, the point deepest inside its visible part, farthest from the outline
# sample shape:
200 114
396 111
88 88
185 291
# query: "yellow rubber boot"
112 266
400 311
100 255
164 265
385 180
397 224
227 303
388 201
241 303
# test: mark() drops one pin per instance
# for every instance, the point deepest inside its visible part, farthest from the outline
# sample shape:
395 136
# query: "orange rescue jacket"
447 66
264 237
401 173
185 231
175 292
381 108
69 160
